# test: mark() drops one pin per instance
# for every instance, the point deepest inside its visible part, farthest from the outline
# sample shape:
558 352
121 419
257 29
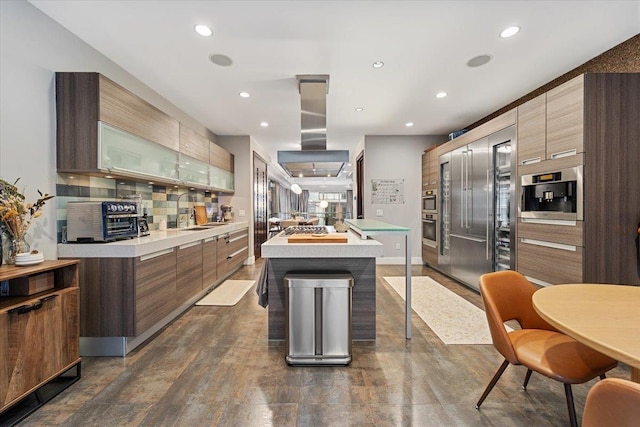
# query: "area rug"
227 294
452 318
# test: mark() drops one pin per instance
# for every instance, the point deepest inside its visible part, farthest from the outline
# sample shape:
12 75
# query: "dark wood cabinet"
39 333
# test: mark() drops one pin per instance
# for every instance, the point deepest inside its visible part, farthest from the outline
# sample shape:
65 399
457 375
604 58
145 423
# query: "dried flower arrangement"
16 215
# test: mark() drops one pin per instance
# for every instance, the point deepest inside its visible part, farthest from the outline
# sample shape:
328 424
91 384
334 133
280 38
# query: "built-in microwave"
553 195
429 201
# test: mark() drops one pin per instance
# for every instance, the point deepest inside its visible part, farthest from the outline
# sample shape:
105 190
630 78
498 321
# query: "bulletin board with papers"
387 191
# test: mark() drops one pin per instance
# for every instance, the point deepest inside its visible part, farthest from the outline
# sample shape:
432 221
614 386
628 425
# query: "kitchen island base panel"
363 271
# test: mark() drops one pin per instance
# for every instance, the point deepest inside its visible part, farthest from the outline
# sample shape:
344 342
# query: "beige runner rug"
228 293
452 318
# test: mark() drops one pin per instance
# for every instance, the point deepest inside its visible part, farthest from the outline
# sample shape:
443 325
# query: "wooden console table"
39 338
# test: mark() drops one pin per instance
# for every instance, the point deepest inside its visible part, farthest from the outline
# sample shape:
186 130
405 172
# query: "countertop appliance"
227 215
89 222
305 229
143 226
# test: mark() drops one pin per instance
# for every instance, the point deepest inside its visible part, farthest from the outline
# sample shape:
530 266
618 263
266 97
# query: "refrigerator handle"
462 189
469 190
489 210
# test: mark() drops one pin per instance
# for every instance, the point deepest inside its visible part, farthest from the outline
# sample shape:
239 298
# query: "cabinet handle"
546 244
530 161
24 309
566 153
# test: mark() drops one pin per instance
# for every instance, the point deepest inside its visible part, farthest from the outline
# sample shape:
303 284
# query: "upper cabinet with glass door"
103 128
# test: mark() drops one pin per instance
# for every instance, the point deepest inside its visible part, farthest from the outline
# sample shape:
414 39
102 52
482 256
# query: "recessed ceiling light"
264 124
359 109
221 60
378 64
203 30
441 94
108 176
244 94
408 124
479 60
509 32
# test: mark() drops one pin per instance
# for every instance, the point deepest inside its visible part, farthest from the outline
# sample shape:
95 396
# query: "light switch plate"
241 212
379 212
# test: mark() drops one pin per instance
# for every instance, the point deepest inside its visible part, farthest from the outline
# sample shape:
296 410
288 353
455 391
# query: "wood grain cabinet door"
155 288
209 262
565 119
189 271
37 343
194 145
126 111
532 130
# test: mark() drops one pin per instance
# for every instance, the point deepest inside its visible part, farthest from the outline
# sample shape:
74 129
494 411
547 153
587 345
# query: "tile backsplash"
159 202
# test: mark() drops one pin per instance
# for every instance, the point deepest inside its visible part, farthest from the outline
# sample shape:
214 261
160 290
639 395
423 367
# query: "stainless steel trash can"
318 318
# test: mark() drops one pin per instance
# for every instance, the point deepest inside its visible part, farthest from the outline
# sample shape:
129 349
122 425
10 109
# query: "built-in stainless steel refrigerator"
469 229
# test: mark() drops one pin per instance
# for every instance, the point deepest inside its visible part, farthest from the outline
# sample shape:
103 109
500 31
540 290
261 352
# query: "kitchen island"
356 256
130 289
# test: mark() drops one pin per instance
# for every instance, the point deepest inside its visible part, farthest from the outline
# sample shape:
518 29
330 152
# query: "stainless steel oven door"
429 229
429 201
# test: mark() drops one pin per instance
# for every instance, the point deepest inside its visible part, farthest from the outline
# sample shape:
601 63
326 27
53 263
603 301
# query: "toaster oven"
89 222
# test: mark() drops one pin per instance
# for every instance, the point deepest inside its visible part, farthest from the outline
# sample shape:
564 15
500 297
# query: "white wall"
397 157
33 48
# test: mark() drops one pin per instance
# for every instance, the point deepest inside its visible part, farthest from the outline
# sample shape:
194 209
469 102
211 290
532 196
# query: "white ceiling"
425 46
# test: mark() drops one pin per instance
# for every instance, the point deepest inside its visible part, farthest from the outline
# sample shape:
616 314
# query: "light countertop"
156 241
279 247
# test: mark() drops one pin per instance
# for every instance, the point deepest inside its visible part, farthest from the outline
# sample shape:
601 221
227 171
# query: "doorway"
260 191
360 185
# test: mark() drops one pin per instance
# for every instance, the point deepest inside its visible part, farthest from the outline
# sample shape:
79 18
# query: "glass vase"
16 246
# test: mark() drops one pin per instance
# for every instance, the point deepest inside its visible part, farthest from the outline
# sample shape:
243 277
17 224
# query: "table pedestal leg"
635 374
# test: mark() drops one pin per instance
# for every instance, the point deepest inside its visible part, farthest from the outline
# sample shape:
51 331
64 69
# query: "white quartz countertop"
279 247
155 242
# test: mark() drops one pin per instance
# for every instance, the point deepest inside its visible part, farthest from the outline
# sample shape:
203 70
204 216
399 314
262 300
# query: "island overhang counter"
356 256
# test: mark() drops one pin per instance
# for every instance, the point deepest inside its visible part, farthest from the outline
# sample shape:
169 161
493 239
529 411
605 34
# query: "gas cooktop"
305 229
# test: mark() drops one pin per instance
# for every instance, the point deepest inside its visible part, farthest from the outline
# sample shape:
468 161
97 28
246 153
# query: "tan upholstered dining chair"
612 402
537 346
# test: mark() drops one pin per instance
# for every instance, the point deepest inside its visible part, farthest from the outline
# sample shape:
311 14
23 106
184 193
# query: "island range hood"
313 159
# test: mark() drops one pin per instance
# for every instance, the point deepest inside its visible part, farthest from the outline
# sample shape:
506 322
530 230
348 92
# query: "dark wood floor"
215 366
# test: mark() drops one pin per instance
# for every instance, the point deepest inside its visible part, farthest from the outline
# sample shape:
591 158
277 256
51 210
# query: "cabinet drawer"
550 264
237 242
565 234
236 259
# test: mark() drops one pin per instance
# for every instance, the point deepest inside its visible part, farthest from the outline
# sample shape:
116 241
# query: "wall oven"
429 201
553 195
429 229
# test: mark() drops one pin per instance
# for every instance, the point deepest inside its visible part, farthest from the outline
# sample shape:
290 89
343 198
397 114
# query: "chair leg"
493 382
570 406
526 379
603 376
